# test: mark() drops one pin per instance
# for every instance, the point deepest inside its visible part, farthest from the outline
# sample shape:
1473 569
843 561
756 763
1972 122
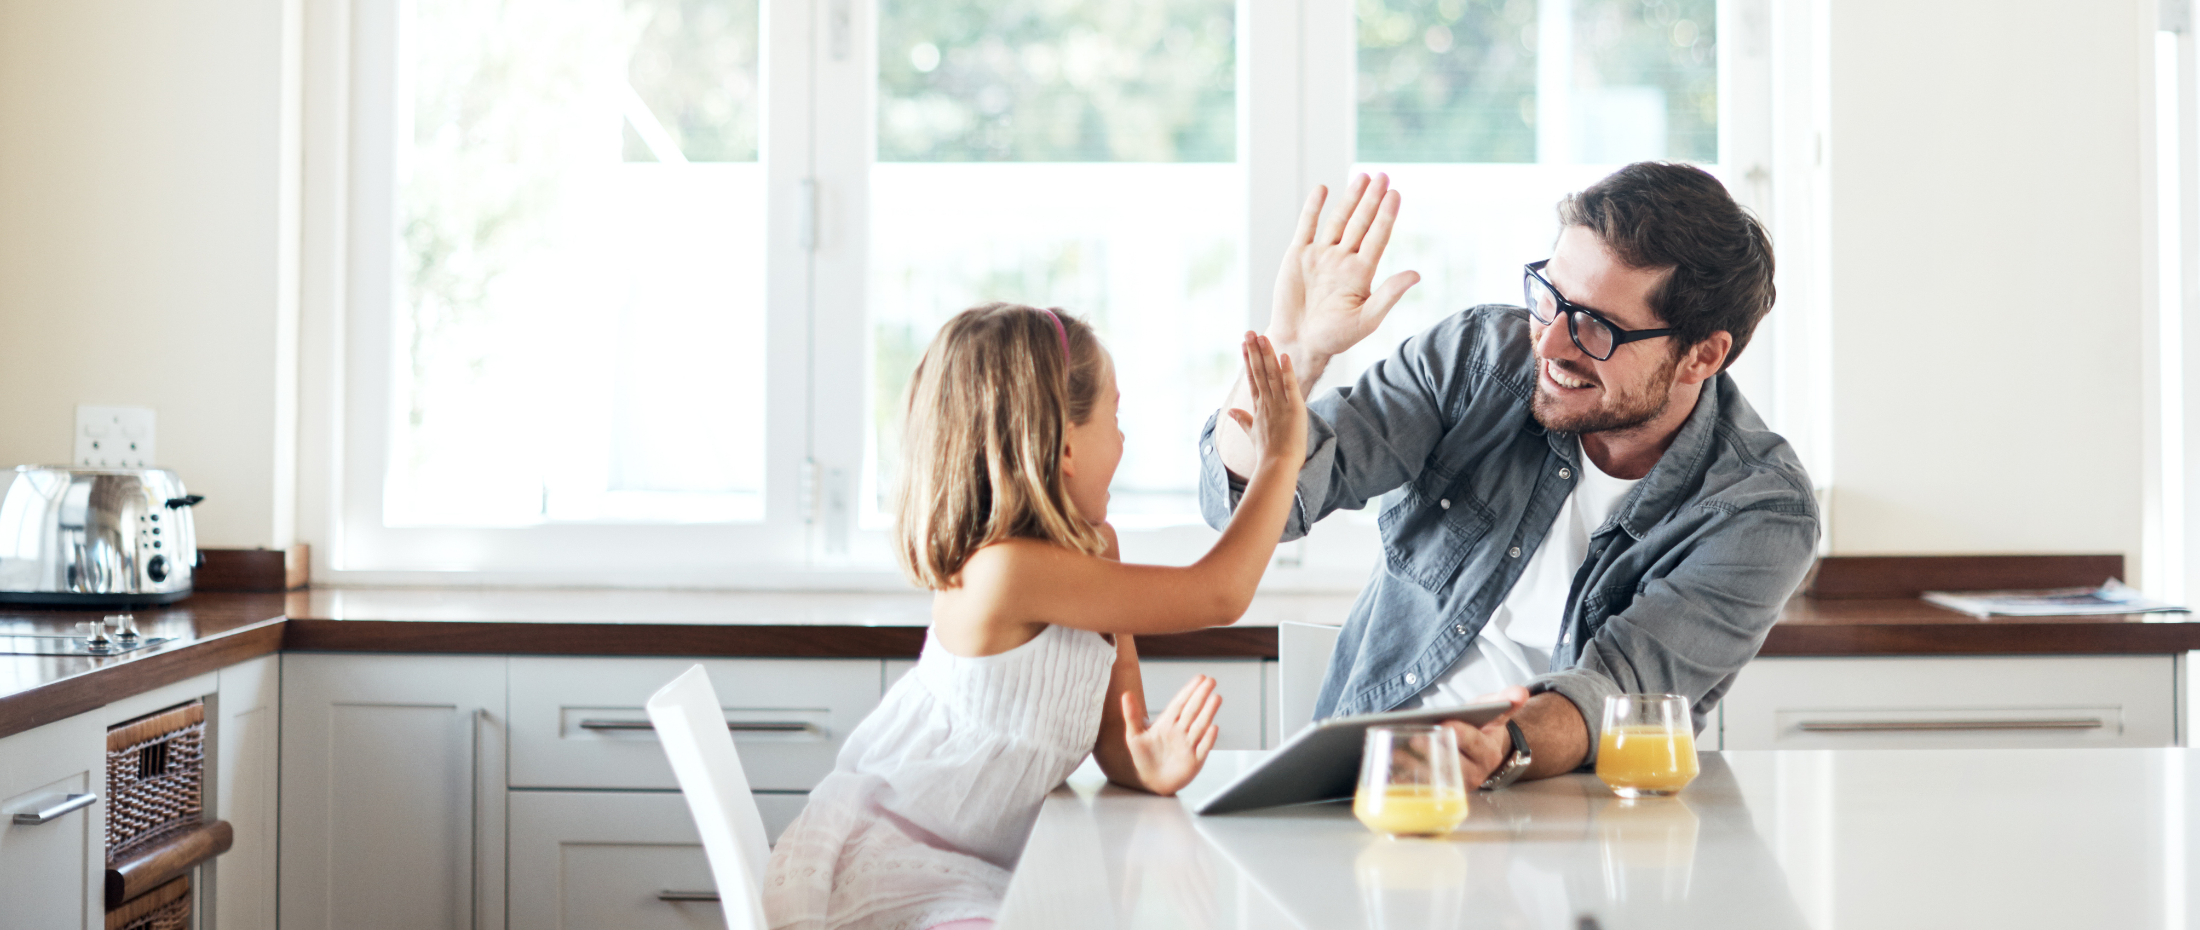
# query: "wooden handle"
152 868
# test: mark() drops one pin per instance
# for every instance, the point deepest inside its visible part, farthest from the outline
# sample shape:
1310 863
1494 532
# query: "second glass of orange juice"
1410 783
1649 745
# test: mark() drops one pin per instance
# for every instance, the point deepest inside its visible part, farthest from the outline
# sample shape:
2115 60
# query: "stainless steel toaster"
95 537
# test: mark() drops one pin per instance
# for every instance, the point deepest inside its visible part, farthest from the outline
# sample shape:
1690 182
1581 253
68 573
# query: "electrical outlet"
114 437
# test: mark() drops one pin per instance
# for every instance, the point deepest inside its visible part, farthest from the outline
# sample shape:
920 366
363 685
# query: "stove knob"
157 569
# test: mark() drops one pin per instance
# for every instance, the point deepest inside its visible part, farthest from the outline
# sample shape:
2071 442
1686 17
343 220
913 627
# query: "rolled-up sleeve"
1690 630
1361 440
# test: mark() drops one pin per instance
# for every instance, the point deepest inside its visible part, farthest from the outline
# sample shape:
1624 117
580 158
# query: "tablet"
1322 762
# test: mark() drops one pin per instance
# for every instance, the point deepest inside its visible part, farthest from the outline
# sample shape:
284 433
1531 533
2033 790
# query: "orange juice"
1411 810
1646 760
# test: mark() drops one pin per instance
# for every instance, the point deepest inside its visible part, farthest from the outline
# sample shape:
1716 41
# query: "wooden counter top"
216 629
208 631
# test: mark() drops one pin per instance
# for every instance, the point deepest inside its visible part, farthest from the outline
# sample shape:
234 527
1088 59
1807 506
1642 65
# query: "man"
1584 503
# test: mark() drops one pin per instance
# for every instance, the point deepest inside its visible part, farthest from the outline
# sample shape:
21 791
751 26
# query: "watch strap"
1515 764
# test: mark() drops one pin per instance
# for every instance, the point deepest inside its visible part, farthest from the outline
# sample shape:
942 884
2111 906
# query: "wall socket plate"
114 437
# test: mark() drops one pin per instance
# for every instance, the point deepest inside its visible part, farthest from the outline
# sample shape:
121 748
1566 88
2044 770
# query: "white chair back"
692 728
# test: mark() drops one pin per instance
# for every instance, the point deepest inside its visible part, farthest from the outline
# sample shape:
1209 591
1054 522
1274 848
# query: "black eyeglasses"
1598 338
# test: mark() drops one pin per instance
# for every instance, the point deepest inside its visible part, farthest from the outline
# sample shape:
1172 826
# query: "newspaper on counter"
2112 597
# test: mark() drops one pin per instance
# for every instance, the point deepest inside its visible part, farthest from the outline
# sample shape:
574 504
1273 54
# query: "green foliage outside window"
1447 80
1057 81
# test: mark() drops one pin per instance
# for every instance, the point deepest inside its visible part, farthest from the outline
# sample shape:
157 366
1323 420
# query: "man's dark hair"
1656 215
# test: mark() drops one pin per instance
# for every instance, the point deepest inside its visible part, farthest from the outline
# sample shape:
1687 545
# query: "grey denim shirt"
1678 589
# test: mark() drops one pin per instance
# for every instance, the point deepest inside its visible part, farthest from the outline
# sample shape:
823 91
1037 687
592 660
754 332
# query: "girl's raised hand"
1169 750
1277 424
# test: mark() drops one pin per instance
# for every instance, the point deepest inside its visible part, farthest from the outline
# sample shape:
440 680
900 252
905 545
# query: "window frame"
1296 61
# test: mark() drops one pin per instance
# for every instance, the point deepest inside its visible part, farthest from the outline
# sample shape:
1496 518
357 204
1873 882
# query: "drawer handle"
69 803
737 726
680 896
1890 726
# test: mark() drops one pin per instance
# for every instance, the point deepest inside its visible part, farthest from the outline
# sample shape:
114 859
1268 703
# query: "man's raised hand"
1326 300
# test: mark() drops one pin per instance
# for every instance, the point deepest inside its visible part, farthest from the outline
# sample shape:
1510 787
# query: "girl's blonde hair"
989 410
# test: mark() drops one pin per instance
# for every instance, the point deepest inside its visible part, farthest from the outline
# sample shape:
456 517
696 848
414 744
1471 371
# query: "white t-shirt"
1516 644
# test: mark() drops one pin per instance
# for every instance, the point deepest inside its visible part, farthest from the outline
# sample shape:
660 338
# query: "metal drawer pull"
1881 726
678 896
737 726
69 803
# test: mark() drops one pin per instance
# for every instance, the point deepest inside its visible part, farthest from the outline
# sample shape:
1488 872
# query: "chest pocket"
1424 540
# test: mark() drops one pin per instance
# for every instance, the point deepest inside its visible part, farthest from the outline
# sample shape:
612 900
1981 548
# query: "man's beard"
1618 412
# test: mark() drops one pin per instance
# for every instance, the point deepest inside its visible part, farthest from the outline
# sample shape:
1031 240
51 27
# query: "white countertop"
2007 839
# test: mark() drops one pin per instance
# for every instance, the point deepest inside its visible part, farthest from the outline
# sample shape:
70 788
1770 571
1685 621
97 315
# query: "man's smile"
1559 377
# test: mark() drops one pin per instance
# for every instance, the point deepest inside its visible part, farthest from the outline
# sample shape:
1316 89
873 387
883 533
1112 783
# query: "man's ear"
1704 359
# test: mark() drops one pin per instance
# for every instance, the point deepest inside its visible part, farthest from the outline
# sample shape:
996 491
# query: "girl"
1008 450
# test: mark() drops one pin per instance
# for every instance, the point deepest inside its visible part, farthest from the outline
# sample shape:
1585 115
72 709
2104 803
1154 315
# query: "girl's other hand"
1277 424
1169 750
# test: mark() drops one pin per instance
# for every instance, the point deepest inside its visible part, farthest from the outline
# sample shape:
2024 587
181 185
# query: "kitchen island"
2009 839
509 722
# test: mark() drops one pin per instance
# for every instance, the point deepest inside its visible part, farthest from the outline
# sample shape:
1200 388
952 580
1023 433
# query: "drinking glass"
1649 745
1410 784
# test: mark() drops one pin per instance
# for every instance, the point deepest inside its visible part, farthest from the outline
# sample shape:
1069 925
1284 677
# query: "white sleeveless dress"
934 794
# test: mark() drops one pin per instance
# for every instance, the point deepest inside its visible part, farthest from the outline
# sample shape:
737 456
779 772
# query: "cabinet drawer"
1952 702
602 860
579 723
47 876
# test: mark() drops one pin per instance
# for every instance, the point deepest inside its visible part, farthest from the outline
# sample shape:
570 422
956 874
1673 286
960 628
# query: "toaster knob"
157 569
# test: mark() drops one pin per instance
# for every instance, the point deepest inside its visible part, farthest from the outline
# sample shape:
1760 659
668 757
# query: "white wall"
142 228
1987 274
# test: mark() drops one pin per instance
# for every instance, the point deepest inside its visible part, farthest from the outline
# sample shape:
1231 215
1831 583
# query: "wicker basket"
167 907
155 767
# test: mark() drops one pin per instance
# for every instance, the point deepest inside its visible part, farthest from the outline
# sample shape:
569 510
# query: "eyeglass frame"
1620 335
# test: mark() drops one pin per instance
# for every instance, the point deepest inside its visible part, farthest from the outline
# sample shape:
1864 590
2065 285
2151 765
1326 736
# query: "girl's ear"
1069 464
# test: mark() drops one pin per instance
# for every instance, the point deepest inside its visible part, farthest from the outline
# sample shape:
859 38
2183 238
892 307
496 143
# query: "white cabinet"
392 792
608 860
49 872
52 874
238 889
1242 718
1952 702
578 723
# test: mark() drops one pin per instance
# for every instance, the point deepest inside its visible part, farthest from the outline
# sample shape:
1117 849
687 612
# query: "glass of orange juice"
1410 784
1649 745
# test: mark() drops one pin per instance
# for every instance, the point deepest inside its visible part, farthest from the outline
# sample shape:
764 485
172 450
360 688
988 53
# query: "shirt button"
1565 473
1459 628
1412 678
1445 503
1513 552
1208 449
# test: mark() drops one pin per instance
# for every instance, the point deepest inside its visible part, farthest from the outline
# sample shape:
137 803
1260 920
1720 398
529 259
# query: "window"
630 289
1074 155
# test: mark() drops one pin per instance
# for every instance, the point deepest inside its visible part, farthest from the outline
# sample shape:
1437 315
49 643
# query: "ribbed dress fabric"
933 795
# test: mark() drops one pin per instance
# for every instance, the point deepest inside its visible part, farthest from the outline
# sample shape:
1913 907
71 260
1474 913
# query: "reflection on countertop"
1818 839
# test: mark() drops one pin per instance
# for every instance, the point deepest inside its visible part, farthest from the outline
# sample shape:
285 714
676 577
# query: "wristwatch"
1514 765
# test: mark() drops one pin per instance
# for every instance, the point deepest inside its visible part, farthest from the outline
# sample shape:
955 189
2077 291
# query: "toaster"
95 537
